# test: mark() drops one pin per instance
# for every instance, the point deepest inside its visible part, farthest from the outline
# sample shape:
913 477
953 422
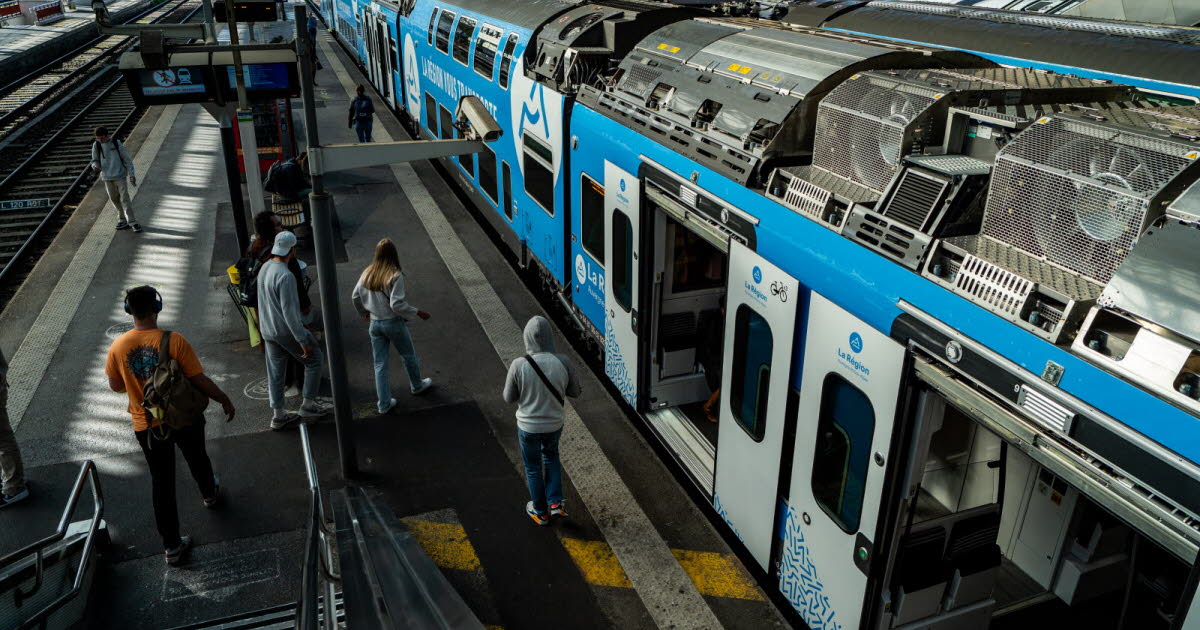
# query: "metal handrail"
318 552
86 471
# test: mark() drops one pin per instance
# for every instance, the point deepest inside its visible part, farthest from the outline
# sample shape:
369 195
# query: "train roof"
529 14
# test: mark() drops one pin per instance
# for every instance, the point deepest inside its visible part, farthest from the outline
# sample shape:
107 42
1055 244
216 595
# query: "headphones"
158 301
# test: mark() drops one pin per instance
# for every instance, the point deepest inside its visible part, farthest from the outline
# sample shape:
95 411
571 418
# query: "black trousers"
160 455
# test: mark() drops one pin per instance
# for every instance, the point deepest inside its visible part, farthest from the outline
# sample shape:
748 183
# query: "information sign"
172 81
24 204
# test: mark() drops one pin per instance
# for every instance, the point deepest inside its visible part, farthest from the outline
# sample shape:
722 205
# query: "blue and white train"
951 256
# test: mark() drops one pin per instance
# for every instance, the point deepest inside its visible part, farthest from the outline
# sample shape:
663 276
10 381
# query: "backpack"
269 183
248 269
169 395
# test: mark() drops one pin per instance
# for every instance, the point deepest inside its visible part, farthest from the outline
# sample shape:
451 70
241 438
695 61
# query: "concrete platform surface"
636 552
25 48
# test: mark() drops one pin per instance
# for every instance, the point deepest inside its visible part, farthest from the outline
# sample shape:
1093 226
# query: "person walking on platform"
266 225
380 297
131 363
536 382
12 471
285 335
112 161
362 115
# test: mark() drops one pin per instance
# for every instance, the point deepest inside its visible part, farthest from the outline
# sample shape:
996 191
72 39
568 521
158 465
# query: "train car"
946 309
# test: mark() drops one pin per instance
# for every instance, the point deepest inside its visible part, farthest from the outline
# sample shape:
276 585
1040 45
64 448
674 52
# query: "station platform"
637 552
26 48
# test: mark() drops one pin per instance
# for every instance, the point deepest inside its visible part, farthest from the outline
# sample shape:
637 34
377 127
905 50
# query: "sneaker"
538 519
137 227
291 392
121 225
315 409
391 406
9 499
175 556
286 422
422 387
215 499
559 509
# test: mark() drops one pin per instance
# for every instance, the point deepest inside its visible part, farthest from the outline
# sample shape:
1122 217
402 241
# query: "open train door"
621 237
850 385
760 322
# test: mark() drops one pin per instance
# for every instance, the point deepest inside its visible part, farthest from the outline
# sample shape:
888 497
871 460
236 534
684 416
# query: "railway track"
45 160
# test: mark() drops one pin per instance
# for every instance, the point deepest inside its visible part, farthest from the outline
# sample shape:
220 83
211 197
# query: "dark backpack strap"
545 381
164 348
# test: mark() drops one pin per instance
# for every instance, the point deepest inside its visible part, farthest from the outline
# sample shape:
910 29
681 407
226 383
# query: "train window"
843 454
487 172
622 262
591 217
443 31
447 121
432 20
467 162
753 345
430 110
506 61
506 175
485 50
539 173
395 52
462 39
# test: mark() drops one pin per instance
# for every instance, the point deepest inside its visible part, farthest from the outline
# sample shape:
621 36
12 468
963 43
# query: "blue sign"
856 342
757 274
622 185
261 76
173 81
24 204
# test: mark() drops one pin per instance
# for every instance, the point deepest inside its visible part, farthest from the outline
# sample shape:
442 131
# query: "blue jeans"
385 332
363 127
277 356
540 450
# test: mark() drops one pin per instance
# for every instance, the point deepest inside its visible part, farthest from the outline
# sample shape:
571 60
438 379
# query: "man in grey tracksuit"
11 471
540 412
112 161
283 333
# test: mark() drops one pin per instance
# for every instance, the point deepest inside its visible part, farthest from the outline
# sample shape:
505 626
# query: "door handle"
634 321
863 553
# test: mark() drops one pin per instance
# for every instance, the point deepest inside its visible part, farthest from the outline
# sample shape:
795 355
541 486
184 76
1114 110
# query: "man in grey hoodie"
112 161
536 382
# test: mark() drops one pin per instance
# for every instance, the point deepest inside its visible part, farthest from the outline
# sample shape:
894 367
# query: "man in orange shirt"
131 361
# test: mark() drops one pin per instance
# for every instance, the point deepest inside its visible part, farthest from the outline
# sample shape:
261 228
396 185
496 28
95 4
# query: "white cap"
284 242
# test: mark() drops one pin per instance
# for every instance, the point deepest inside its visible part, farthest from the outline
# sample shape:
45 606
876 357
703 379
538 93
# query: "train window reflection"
622 270
843 453
591 217
539 173
462 39
753 345
431 122
443 31
487 172
432 20
506 62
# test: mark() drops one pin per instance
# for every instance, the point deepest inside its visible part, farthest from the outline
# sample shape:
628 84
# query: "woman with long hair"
380 298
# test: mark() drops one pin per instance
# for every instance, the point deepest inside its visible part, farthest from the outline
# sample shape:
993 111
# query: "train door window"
506 175
462 39
443 31
753 345
395 52
591 217
487 172
844 432
447 120
485 50
622 263
467 162
539 174
506 61
432 21
430 109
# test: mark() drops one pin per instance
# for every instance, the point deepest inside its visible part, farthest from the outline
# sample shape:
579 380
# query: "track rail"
51 166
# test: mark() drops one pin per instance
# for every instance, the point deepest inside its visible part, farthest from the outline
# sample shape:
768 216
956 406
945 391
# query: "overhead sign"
24 204
173 81
261 76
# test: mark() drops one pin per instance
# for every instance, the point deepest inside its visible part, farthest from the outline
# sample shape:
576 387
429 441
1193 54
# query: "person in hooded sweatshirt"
537 382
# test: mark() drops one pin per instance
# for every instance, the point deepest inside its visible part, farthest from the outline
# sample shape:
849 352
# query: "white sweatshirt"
382 305
112 160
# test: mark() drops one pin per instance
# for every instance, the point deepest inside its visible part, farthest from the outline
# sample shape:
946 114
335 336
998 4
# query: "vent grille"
1045 411
640 80
915 198
999 289
1078 193
807 198
861 130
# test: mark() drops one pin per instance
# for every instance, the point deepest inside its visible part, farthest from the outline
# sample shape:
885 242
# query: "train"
932 270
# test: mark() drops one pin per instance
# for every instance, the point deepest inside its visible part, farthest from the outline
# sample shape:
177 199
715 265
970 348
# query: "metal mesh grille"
807 198
861 128
640 79
1001 290
1076 193
1066 282
916 196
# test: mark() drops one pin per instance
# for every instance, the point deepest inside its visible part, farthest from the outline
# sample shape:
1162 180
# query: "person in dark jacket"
362 115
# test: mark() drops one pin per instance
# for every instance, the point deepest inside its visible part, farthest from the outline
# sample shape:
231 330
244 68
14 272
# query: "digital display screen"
261 76
171 81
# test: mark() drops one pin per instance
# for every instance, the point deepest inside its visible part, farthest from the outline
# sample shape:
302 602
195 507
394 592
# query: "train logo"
622 185
412 78
536 113
757 273
581 269
856 343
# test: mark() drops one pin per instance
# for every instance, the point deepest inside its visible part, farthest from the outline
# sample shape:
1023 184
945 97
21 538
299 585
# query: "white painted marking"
221 578
668 593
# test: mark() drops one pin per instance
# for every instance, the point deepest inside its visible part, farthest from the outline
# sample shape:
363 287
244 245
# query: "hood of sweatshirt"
539 336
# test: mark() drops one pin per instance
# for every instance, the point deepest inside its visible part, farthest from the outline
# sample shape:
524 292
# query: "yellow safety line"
446 544
597 562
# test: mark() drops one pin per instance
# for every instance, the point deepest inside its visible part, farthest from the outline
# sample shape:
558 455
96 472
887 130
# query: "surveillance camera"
481 125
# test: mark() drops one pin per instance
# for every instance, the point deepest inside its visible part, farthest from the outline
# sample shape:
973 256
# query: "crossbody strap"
545 381
164 348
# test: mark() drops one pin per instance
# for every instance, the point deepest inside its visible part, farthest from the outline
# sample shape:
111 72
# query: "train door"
622 203
760 322
382 60
849 386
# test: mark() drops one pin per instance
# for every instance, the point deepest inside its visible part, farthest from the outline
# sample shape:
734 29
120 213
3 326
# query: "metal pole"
245 118
229 150
210 22
322 227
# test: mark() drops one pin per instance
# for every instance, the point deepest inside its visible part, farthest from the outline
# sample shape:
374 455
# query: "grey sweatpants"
118 194
12 472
